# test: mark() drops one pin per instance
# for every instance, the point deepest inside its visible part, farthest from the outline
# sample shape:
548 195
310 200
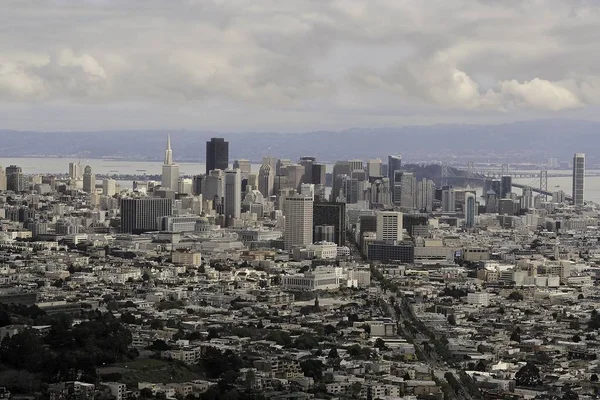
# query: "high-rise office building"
272 161
505 186
324 233
214 187
319 174
298 213
170 170
425 194
380 192
14 179
389 226
374 168
141 214
217 154
282 163
408 190
340 168
75 170
266 180
448 199
89 180
233 193
307 163
244 166
394 164
332 214
578 178
109 187
2 179
197 184
354 165
294 173
470 209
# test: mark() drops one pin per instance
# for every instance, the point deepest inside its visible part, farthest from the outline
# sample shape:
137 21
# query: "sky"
294 65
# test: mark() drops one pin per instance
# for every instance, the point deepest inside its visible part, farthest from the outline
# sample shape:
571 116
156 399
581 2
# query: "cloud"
341 59
438 81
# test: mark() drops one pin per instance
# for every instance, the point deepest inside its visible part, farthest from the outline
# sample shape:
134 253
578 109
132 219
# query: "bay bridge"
474 177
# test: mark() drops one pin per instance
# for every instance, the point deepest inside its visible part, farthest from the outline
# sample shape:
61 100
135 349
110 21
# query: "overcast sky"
293 65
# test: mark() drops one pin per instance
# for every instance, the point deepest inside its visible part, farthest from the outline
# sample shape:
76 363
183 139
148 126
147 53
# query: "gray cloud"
334 62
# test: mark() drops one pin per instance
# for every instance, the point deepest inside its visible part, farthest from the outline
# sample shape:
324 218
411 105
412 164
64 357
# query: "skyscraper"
374 167
170 171
298 213
141 214
233 193
214 187
448 199
425 194
14 179
578 178
266 179
307 163
470 209
2 178
109 187
389 226
394 164
89 180
217 154
244 166
75 170
505 186
332 214
408 191
197 184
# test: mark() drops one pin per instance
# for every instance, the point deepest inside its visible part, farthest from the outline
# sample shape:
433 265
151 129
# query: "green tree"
528 375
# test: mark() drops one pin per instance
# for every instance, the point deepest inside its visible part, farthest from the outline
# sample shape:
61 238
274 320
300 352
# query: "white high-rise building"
109 187
389 226
374 167
75 171
578 178
233 193
298 213
244 166
2 178
170 171
214 187
425 194
266 179
408 190
307 189
89 180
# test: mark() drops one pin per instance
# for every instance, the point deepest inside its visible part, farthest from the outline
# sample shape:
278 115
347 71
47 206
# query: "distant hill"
533 141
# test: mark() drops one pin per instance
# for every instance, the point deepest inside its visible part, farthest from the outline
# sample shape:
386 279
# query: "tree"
515 336
576 339
333 353
329 330
159 345
594 378
380 344
312 368
528 375
515 296
452 319
146 393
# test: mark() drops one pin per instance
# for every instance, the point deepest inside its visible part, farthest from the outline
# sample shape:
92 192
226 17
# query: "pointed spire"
168 152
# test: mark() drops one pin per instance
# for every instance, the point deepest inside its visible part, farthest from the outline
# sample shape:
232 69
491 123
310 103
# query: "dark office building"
141 215
197 183
386 252
331 214
14 179
217 154
505 186
319 175
415 224
368 223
